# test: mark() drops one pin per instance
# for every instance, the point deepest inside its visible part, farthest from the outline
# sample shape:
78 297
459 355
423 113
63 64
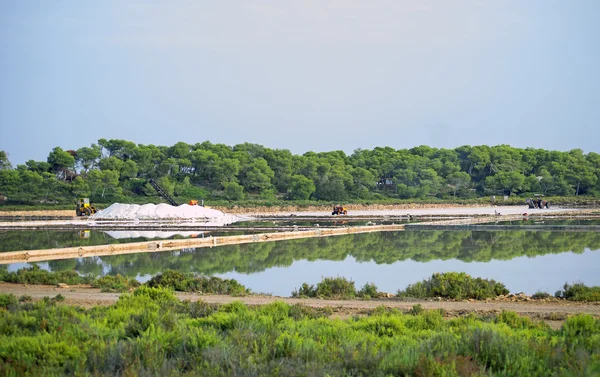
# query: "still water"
525 261
11 240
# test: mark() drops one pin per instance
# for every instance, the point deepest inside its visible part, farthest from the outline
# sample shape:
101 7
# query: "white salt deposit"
163 211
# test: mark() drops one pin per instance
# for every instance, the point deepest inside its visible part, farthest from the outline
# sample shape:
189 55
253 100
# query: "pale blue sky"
301 75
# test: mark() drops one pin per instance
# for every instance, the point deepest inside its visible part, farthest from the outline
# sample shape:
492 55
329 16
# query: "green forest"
119 171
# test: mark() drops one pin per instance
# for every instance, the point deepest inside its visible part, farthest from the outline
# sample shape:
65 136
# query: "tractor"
537 203
339 210
84 208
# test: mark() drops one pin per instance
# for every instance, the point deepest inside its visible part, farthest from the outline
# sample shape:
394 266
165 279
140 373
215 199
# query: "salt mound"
163 211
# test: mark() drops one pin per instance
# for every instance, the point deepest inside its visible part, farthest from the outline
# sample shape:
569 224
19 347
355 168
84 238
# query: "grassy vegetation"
187 282
454 285
114 283
337 288
36 275
117 283
540 295
579 292
449 285
151 333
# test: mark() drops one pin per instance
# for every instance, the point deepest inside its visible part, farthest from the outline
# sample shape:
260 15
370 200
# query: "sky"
303 75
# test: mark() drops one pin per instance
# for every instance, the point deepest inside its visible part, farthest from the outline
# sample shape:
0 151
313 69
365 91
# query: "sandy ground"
28 217
443 211
372 210
552 311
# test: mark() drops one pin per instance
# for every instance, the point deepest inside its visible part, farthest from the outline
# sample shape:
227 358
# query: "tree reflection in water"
381 248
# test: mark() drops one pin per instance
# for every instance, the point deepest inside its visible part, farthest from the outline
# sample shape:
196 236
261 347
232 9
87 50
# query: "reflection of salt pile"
119 211
120 234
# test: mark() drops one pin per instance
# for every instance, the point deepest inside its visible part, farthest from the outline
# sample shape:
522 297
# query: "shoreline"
554 310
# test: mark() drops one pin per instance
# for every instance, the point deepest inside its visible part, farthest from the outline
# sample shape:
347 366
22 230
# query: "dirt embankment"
325 209
350 207
553 311
251 210
40 213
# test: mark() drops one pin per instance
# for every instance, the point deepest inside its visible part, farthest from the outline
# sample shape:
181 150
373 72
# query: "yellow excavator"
84 208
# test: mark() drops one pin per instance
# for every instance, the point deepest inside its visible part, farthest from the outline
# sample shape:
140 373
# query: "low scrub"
174 280
338 288
539 295
35 275
454 285
151 333
579 292
114 283
187 282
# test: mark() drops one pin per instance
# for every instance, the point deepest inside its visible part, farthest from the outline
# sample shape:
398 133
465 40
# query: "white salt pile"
163 211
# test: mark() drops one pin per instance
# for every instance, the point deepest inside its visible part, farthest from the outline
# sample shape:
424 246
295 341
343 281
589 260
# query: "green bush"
305 290
540 295
416 310
579 292
35 275
7 300
333 288
368 291
160 295
187 282
454 285
515 321
338 287
114 283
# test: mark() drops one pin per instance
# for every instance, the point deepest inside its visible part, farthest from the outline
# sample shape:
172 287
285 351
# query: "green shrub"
368 291
581 324
333 288
59 298
7 300
579 292
515 321
337 287
305 291
187 282
540 295
454 285
35 275
115 283
416 310
298 312
159 294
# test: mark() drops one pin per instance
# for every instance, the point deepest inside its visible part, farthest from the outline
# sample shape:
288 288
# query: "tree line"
119 170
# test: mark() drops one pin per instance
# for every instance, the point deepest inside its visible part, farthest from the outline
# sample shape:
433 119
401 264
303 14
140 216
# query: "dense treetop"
119 170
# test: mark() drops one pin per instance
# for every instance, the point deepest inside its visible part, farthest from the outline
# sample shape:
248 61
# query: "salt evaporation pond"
163 211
